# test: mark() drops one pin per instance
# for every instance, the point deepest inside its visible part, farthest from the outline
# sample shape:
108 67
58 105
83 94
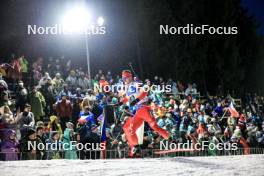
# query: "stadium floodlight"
76 19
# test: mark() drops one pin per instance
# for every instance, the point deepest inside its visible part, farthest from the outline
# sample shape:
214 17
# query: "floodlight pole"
88 59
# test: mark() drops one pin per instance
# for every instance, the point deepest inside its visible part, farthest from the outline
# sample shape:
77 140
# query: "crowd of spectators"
47 99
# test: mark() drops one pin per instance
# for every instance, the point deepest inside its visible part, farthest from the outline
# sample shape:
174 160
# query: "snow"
224 165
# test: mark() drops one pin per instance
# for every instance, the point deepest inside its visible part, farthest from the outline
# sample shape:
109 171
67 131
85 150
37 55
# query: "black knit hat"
31 131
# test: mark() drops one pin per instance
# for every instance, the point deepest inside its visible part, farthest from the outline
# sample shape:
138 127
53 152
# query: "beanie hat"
30 131
103 83
126 74
40 124
9 132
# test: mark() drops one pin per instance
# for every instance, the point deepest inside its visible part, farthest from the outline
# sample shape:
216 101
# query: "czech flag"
233 111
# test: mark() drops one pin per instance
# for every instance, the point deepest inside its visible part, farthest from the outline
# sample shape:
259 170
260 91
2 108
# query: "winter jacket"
64 108
25 120
28 152
38 103
69 149
9 148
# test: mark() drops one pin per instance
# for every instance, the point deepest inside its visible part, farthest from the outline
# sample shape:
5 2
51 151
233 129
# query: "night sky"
256 8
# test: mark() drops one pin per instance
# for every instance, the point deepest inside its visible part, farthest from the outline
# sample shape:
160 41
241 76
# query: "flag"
86 118
100 118
103 135
232 110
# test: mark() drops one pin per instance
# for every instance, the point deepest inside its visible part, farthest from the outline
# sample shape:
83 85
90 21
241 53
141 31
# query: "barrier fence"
121 154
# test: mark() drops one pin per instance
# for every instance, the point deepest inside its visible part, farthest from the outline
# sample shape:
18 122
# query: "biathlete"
142 112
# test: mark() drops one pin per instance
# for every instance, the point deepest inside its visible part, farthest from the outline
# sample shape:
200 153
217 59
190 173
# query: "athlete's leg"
130 132
144 113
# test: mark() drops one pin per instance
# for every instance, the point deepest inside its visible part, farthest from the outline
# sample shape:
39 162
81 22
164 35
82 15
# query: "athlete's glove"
134 102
